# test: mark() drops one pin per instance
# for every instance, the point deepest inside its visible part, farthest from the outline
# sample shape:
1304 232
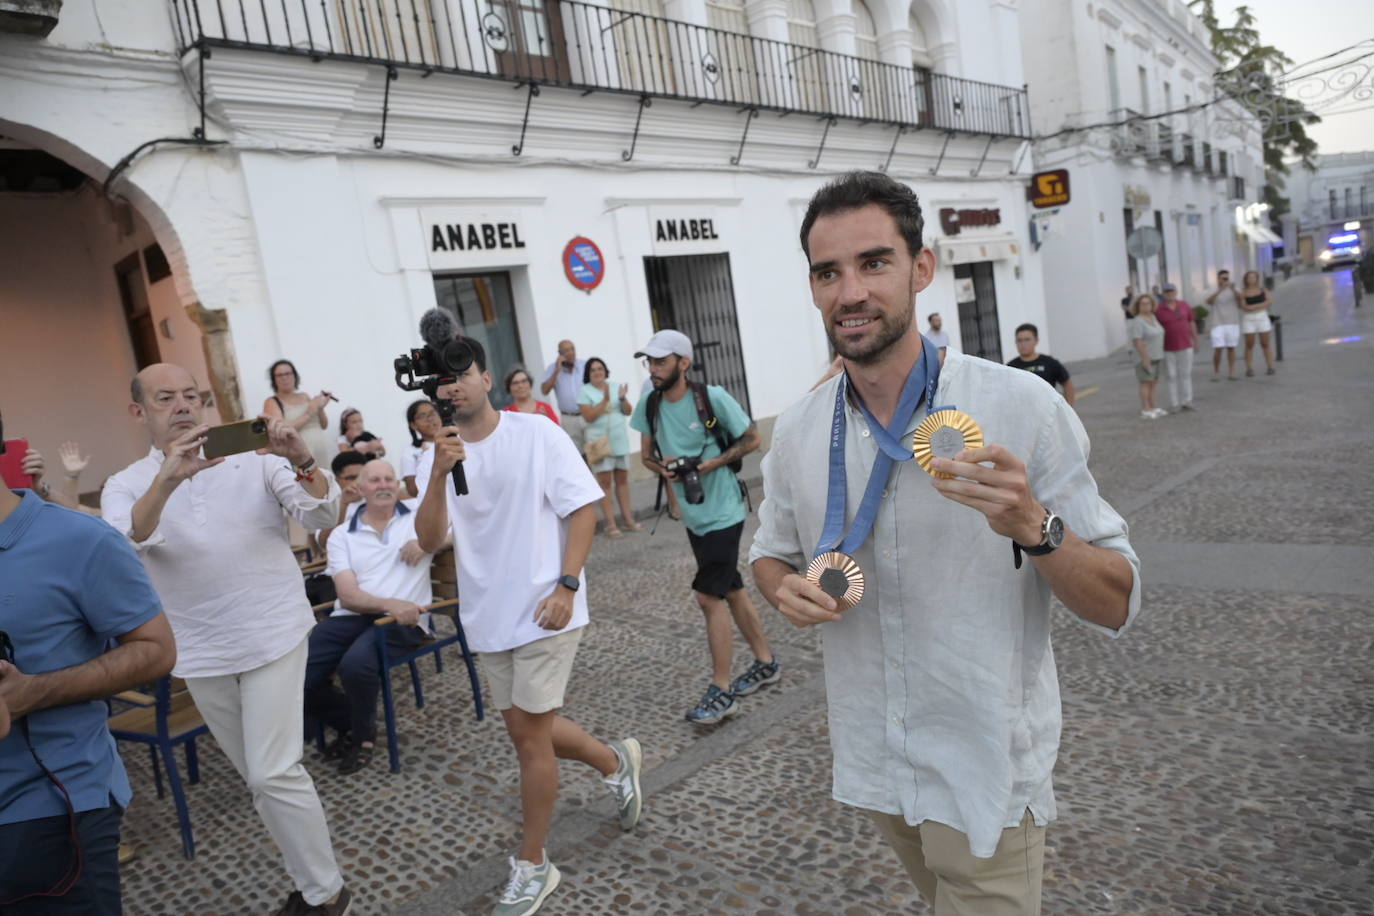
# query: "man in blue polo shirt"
70 588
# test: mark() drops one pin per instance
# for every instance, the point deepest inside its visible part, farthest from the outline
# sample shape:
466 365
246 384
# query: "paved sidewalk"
1217 758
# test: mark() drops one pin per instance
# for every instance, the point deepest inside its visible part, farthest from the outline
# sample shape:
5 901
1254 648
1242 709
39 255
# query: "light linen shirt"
220 558
374 557
567 385
510 530
943 696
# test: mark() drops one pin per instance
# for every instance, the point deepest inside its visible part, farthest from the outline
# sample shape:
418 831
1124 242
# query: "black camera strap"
74 867
707 415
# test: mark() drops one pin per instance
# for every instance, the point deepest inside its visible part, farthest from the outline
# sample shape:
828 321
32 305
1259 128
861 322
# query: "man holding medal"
943 695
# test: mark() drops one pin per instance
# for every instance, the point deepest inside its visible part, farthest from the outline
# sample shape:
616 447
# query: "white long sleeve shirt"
220 558
943 695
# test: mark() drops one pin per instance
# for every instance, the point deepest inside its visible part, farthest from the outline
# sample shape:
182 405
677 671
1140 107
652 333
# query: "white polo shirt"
375 558
509 531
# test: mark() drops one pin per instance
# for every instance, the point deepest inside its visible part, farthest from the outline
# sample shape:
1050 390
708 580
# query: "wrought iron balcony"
597 49
1164 142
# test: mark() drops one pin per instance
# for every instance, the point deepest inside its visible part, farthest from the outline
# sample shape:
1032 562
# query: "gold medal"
838 576
944 434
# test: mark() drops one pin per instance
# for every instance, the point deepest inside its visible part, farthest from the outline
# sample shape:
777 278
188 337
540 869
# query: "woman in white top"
303 412
424 424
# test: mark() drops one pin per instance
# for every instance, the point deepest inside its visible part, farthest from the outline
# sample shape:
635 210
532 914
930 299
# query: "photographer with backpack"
694 436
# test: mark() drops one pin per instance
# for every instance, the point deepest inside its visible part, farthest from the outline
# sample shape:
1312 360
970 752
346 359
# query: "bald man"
212 535
378 569
564 378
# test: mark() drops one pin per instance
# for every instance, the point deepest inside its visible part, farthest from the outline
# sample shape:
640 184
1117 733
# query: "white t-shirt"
410 459
375 558
510 530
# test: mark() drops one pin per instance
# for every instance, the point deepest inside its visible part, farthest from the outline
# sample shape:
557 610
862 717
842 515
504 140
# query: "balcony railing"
594 48
1164 142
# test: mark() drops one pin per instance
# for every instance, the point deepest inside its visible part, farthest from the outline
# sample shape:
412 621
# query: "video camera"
445 356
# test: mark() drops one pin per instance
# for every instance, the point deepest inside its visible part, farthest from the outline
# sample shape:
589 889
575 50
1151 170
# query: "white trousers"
258 719
1178 365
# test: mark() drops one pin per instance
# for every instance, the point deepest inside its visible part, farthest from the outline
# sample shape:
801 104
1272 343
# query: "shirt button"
896 720
865 434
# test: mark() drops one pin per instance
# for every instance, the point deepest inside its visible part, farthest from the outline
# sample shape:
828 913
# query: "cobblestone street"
1219 758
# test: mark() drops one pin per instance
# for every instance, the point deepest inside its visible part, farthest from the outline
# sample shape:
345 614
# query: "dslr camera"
686 471
443 358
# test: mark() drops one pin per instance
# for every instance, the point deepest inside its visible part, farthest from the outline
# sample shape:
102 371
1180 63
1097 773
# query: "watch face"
1054 533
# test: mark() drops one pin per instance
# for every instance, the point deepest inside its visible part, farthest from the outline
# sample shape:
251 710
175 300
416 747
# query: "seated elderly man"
378 569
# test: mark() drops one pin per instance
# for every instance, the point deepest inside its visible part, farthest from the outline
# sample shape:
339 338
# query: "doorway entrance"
695 295
527 36
484 309
978 328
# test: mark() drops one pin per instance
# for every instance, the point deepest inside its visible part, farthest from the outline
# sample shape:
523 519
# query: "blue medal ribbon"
920 381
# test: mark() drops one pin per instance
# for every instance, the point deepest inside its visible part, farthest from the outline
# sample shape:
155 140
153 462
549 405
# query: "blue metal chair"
162 721
389 658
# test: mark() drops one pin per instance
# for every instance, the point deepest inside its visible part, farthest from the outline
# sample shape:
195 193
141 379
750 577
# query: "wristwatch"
571 583
1051 536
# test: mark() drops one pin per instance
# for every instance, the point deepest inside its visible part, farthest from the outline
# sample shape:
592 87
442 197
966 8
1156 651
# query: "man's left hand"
33 466
1001 492
18 691
284 440
411 553
555 611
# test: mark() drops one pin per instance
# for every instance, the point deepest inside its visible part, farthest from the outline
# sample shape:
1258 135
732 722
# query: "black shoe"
335 749
355 758
295 905
340 906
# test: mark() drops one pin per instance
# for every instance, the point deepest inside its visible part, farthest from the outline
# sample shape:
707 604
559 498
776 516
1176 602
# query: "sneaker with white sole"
527 888
715 704
624 782
760 674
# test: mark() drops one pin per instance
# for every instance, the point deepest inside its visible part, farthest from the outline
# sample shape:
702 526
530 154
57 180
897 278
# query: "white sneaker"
529 884
624 782
1147 415
1160 412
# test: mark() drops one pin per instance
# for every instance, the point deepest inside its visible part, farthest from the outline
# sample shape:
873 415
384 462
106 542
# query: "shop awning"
1260 233
984 248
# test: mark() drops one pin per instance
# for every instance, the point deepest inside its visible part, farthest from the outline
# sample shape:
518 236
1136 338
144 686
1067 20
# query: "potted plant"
1200 313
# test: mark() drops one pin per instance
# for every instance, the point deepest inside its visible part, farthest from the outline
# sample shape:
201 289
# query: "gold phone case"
235 438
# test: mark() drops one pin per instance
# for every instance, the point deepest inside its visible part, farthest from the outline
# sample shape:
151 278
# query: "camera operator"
521 537
213 538
73 586
675 436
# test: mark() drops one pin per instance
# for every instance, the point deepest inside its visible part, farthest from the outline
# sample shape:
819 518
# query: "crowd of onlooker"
1164 335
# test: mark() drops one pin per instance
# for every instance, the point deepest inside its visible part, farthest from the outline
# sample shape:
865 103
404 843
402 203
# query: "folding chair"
388 660
162 721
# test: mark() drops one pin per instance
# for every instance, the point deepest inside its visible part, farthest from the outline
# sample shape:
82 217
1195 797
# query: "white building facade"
541 170
1333 201
1104 78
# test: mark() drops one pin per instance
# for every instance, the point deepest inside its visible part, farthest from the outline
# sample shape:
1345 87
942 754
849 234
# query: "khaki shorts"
576 428
1150 373
534 676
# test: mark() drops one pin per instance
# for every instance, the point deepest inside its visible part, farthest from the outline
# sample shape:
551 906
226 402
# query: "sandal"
675 515
631 526
614 533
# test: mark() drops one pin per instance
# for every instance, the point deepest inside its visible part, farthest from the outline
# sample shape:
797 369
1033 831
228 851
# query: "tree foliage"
1252 73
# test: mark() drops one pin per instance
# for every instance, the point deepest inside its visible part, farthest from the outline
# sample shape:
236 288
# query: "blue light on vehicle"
1343 239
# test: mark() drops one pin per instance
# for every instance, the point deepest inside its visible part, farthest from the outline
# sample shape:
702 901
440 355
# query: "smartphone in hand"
12 465
236 438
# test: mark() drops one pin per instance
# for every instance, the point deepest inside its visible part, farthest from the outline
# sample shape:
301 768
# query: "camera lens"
259 427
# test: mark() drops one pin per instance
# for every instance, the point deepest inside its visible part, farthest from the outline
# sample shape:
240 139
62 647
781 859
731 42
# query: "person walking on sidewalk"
686 431
212 534
521 536
1225 303
1147 346
1180 340
943 701
1255 302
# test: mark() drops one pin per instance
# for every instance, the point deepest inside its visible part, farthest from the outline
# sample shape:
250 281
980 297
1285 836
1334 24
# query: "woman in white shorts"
1254 320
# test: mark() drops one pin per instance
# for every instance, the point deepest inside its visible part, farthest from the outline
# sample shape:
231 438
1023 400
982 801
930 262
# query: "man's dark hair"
853 190
587 368
479 353
1223 271
1035 332
347 459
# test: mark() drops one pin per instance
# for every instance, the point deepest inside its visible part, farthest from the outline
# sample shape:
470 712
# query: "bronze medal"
838 576
944 434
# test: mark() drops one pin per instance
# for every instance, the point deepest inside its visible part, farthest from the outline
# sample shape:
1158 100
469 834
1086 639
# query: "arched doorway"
89 296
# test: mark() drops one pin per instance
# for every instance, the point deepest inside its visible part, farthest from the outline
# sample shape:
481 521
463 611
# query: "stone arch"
217 344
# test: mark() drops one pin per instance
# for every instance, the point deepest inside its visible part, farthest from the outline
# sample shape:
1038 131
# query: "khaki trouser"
954 882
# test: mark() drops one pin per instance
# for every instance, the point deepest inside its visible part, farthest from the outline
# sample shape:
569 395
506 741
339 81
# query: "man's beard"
669 382
468 414
892 328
